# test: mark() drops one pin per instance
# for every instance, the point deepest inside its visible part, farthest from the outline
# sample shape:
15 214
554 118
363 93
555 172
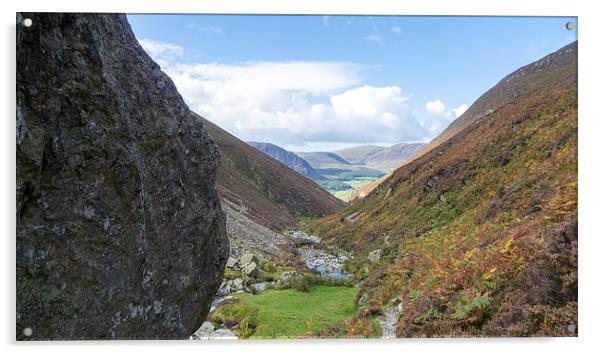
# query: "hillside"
267 191
478 237
557 69
393 156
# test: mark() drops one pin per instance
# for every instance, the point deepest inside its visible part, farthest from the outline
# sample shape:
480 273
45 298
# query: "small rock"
232 262
571 328
237 284
250 270
363 299
375 256
285 276
353 217
388 194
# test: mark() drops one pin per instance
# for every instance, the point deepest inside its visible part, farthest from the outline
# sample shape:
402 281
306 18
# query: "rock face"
119 228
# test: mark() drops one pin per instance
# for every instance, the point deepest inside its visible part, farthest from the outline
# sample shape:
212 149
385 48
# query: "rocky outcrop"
119 227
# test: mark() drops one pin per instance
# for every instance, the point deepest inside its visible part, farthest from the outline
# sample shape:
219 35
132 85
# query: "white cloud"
375 38
438 116
299 102
208 29
460 110
396 30
160 49
435 108
326 20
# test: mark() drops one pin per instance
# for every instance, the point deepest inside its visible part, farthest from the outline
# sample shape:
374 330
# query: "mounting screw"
570 25
27 332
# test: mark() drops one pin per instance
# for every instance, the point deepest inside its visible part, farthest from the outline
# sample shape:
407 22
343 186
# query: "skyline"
328 82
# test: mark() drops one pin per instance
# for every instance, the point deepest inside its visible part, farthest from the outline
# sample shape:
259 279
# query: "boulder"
204 332
375 256
248 258
119 230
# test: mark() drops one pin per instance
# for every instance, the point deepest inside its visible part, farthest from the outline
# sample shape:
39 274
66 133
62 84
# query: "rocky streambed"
328 262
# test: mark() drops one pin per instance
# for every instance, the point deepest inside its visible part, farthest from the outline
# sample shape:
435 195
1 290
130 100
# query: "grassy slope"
294 314
558 69
479 235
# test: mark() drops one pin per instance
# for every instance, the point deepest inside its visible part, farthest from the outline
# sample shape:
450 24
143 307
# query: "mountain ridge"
560 71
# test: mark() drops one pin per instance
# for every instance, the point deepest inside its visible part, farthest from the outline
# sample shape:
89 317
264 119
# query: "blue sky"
325 82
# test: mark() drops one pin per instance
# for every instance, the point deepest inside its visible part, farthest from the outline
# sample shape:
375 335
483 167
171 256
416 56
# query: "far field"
355 183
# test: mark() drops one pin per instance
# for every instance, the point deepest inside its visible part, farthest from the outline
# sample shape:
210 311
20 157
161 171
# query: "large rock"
119 227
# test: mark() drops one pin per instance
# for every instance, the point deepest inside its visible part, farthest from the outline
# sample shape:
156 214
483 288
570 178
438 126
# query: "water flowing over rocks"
302 235
327 264
119 228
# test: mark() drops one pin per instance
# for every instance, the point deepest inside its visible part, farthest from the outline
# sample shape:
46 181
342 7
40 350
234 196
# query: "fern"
466 307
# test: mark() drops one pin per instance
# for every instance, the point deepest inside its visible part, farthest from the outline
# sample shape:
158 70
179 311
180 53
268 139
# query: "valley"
342 172
138 218
476 229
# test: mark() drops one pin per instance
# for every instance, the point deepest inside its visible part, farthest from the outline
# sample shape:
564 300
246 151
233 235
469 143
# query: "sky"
310 83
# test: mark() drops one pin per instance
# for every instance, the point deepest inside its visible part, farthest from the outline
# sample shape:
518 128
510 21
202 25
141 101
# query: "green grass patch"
355 184
293 314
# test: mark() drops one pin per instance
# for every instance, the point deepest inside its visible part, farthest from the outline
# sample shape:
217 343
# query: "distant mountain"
392 157
288 158
357 155
322 159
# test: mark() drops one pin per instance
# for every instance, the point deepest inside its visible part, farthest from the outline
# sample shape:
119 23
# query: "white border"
589 168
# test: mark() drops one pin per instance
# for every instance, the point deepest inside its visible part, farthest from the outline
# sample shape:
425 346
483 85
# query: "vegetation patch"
289 313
